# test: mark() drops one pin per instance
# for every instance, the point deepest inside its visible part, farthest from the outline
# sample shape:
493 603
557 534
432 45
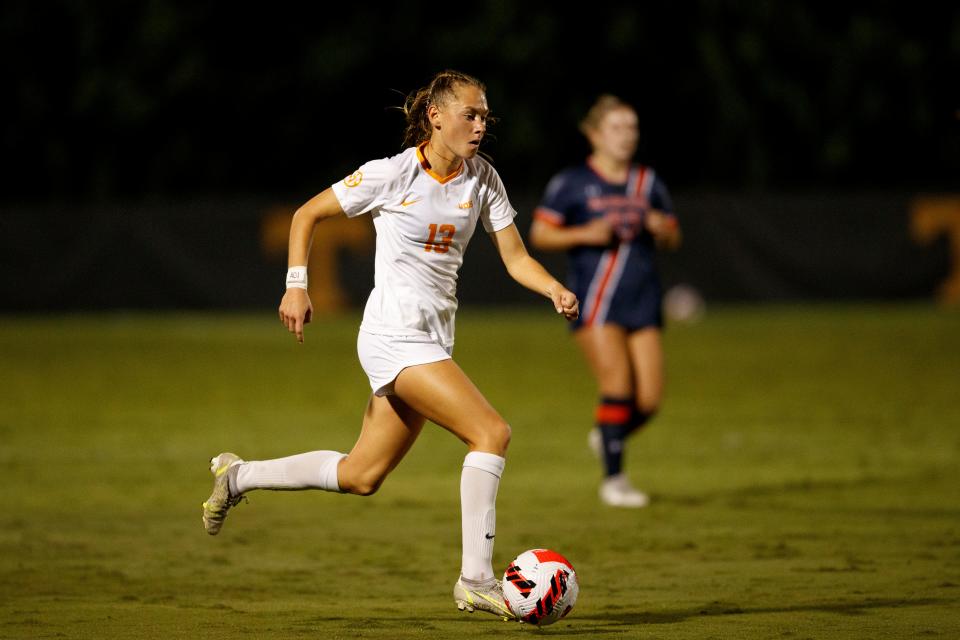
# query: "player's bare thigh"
390 428
646 355
442 392
605 348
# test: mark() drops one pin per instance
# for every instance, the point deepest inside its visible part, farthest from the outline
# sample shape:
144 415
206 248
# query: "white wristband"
297 278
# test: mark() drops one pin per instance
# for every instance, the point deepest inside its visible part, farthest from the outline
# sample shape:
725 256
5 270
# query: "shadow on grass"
609 623
729 609
751 493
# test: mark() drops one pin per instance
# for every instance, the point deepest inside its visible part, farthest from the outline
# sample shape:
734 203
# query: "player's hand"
296 310
596 233
564 301
664 228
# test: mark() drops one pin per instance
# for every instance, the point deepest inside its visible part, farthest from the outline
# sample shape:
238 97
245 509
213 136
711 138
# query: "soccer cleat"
595 442
616 491
488 597
216 507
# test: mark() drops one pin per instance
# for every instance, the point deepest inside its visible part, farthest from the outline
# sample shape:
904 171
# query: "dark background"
793 135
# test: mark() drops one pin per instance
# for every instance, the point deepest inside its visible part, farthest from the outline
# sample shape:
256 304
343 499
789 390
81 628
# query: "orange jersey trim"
433 174
549 216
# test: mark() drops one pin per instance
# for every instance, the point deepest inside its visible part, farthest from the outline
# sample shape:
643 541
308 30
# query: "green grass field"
803 469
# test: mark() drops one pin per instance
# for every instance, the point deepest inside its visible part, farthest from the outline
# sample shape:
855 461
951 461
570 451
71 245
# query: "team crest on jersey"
466 205
353 179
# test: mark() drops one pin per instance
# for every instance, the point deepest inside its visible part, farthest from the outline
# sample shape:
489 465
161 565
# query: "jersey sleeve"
497 212
367 188
660 197
556 201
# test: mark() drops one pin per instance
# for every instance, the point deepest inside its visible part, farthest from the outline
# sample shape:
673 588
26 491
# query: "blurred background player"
610 215
425 203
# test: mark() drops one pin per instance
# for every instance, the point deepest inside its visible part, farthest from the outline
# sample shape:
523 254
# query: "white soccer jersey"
423 223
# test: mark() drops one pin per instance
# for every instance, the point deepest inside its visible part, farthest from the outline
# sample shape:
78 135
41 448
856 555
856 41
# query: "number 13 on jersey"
440 238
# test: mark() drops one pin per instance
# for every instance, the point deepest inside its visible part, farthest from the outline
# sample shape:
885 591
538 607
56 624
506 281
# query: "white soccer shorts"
384 357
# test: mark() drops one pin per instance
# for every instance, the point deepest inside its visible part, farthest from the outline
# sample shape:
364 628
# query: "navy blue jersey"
617 283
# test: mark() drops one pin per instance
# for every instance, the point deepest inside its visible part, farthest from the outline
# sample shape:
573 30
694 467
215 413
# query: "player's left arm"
527 271
659 219
664 228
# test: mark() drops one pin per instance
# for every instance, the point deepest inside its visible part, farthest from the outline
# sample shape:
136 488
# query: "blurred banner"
812 246
231 254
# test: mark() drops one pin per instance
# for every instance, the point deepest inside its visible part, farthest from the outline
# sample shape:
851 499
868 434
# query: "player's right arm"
295 308
550 230
546 236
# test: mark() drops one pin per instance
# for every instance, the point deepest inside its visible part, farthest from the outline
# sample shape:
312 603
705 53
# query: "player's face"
617 135
463 122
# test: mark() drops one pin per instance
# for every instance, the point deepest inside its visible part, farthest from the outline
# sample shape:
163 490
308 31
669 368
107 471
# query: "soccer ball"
683 303
540 586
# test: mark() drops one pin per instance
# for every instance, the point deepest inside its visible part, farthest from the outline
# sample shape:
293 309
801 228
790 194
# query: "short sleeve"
497 213
367 188
553 208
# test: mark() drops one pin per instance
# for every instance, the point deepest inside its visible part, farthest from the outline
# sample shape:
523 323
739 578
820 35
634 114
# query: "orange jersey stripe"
603 285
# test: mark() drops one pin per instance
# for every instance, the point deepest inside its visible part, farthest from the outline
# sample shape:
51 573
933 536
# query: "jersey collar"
433 174
597 173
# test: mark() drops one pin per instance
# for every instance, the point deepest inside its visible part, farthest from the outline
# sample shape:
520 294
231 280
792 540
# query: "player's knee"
365 485
643 413
495 437
505 434
648 401
648 406
366 488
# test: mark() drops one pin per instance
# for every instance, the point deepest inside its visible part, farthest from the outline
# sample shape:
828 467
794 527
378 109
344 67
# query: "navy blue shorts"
617 285
632 310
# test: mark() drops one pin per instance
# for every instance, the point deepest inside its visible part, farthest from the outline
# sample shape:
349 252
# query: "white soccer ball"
540 586
684 304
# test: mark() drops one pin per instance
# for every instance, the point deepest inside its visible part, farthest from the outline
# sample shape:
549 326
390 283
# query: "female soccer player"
610 215
425 203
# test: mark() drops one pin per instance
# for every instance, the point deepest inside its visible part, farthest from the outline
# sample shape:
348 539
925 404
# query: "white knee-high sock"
479 481
313 470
